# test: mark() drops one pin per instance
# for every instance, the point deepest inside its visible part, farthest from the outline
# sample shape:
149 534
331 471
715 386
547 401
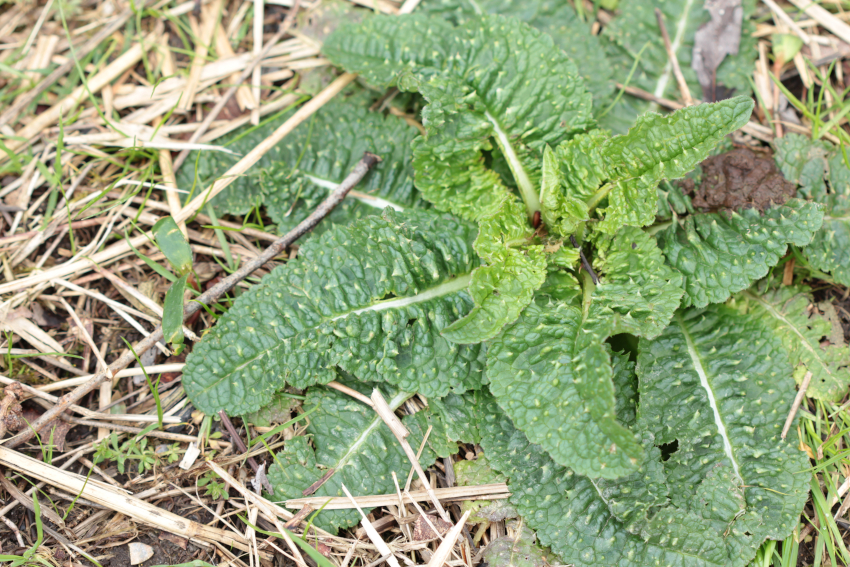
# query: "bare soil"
741 179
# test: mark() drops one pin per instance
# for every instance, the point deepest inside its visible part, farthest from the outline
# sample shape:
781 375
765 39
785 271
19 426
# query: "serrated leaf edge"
771 310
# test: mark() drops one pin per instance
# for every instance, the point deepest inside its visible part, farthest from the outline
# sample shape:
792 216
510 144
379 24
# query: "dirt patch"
740 179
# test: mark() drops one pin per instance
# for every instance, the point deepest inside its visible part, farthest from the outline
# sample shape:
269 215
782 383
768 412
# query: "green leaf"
551 371
489 80
297 174
829 250
380 48
506 284
370 298
658 148
635 31
811 164
353 441
738 371
637 285
804 161
722 253
673 199
319 154
203 167
277 410
172 312
788 311
625 170
475 473
173 244
558 20
458 417
704 356
521 550
564 195
509 83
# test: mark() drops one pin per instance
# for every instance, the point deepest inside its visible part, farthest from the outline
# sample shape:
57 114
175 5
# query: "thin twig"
585 264
798 399
190 209
234 436
674 61
207 298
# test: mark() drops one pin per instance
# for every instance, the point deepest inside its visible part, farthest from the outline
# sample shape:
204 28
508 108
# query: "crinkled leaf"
298 173
508 87
804 161
560 286
350 438
505 285
477 472
631 165
563 205
672 199
634 35
810 164
722 253
559 20
521 550
829 250
457 414
637 285
662 147
704 356
738 371
319 154
354 300
787 310
380 48
277 410
202 167
551 372
493 83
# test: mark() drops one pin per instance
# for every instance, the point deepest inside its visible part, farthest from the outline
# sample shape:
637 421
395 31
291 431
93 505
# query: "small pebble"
139 553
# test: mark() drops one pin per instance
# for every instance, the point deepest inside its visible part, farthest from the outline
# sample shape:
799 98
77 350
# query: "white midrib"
394 404
681 26
364 198
712 401
526 188
444 288
780 317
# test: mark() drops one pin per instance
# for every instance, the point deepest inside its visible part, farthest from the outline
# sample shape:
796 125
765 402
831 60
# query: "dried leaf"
423 532
716 39
10 408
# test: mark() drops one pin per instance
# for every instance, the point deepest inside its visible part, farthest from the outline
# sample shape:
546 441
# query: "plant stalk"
526 189
598 196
